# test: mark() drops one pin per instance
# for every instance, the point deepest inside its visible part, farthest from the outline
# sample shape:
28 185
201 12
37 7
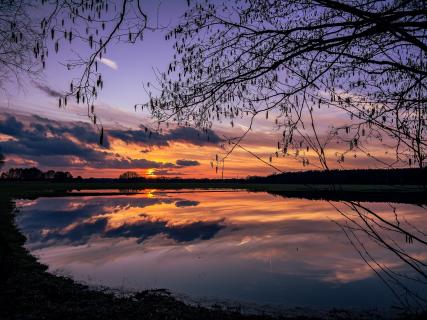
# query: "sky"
35 132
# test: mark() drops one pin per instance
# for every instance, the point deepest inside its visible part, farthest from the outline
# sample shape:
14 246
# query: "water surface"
225 244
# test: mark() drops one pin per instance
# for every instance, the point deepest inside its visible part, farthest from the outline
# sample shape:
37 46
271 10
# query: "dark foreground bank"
28 291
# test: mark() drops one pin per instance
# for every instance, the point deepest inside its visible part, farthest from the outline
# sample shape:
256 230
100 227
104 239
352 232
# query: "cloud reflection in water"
226 244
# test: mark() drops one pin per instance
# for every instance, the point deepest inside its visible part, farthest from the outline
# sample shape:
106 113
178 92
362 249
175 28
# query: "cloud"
48 90
124 163
186 203
180 134
70 222
57 144
74 145
80 233
109 63
12 127
144 230
139 137
57 214
187 163
167 172
192 135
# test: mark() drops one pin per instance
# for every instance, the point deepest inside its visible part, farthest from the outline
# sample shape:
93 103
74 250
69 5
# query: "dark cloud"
74 145
78 234
67 221
55 144
53 213
193 136
11 127
139 137
168 172
48 90
41 132
197 230
48 146
56 214
82 131
186 203
187 163
136 163
144 230
180 134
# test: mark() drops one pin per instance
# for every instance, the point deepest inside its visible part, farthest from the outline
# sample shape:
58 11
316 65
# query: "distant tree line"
409 176
406 176
35 174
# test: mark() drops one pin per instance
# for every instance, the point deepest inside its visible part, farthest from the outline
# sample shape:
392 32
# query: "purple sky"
127 68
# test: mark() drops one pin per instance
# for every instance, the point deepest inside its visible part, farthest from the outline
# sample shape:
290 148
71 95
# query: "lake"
246 247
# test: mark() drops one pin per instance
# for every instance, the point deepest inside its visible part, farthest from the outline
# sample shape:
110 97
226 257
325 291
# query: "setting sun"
150 173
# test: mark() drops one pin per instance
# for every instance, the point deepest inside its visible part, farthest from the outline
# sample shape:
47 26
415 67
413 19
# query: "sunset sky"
35 132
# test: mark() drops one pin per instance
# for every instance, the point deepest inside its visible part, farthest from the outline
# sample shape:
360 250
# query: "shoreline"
411 194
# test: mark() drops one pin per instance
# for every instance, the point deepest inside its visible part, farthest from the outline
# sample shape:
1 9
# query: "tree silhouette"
294 59
30 31
288 59
128 175
34 174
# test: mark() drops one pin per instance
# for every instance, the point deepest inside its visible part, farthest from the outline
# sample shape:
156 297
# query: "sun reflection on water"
239 245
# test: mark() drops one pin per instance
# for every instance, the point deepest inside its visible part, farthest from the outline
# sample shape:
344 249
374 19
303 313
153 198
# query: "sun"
150 173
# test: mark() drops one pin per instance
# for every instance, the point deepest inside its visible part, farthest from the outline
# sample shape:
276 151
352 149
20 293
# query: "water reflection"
235 245
386 233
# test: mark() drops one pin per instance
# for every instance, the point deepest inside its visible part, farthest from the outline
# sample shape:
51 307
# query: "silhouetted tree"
32 174
128 175
24 174
31 30
284 59
288 59
49 175
62 176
